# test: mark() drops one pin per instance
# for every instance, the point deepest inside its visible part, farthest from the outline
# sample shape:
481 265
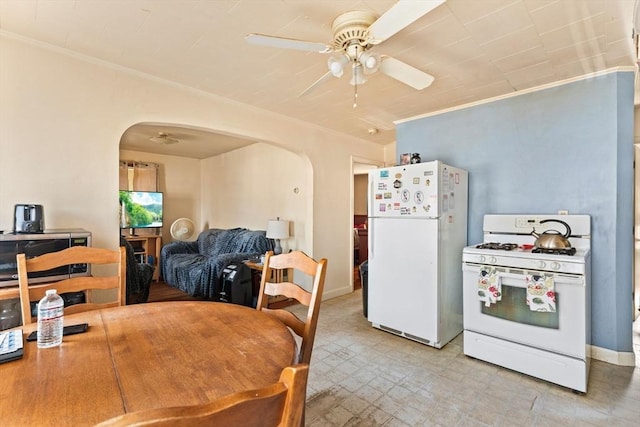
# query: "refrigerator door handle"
370 239
369 222
369 198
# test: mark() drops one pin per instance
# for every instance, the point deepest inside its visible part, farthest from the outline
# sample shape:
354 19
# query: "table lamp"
277 229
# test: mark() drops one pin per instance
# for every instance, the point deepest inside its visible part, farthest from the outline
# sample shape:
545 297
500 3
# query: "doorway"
359 195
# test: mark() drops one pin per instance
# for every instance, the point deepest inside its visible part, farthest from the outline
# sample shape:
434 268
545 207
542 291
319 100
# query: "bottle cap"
51 291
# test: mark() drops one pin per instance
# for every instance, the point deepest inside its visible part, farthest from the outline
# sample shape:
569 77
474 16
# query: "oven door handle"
508 278
517 280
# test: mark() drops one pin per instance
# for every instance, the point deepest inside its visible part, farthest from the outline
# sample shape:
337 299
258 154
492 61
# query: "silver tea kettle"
552 239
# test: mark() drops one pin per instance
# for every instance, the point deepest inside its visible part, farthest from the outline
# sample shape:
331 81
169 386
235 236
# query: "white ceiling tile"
491 90
469 11
580 67
510 19
561 13
522 59
586 48
533 5
574 32
531 76
476 70
506 45
620 52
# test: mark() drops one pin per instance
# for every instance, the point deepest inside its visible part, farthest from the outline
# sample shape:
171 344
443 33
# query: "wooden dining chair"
74 255
274 266
280 404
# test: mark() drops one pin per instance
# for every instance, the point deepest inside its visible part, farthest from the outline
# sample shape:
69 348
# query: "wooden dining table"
140 357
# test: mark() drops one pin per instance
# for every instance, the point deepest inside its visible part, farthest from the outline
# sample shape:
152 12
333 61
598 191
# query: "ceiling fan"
355 34
163 138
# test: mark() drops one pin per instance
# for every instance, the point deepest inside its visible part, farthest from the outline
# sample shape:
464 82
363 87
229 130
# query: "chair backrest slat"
289 290
74 255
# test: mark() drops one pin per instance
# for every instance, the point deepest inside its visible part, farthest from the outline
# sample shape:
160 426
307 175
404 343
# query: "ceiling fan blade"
317 83
284 43
405 73
399 16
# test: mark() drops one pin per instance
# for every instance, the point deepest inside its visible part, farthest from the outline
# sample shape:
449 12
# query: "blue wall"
567 147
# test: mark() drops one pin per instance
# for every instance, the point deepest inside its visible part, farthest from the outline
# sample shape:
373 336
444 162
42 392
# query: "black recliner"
139 276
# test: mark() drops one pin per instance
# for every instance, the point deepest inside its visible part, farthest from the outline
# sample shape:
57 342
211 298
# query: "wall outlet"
563 212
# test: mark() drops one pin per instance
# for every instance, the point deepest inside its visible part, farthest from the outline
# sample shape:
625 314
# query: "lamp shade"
278 229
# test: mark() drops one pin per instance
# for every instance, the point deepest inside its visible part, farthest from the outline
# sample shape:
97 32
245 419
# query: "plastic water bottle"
50 320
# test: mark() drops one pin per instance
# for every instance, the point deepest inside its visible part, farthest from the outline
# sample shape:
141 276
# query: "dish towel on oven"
541 295
489 286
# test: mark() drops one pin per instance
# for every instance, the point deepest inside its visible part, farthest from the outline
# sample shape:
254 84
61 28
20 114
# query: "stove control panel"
523 222
489 260
525 261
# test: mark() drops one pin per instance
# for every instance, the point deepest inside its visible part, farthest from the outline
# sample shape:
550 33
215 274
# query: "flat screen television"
141 209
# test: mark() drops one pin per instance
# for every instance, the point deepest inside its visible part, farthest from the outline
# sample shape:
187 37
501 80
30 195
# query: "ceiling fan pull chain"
355 95
355 87
355 79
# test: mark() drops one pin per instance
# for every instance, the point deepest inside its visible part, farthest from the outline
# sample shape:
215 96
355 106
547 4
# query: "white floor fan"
182 229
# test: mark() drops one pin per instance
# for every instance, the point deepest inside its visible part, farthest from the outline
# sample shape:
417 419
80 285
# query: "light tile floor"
361 376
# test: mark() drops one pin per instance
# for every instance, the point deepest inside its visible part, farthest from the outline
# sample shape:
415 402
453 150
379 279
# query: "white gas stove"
527 309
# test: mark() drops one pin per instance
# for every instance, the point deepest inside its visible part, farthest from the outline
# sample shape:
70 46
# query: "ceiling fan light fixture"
370 62
358 77
336 65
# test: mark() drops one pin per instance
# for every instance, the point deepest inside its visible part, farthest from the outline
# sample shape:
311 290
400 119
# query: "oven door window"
513 306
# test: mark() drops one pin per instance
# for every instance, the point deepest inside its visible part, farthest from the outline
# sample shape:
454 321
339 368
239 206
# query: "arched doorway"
221 180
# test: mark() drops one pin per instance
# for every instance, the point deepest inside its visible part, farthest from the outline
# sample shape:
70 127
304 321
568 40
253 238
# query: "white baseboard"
622 358
333 293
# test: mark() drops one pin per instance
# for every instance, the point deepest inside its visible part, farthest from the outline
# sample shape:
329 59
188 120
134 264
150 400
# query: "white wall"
61 119
248 186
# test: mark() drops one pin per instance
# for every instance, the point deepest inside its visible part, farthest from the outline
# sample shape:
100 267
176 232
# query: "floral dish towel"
489 286
541 295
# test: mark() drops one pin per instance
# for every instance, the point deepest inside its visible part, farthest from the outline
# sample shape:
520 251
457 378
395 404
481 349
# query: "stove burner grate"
559 251
498 246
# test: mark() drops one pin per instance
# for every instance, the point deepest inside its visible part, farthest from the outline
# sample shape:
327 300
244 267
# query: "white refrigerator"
417 230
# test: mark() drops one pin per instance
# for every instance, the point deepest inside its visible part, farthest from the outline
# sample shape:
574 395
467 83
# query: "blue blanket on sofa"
196 267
